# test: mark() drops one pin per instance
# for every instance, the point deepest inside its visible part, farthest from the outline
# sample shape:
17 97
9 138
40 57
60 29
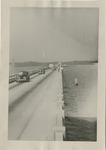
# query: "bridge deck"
34 118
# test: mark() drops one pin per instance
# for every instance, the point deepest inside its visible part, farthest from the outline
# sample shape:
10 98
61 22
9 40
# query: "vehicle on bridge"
51 66
41 71
23 76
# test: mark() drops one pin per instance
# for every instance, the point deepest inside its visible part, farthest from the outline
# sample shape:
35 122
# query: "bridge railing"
12 78
59 129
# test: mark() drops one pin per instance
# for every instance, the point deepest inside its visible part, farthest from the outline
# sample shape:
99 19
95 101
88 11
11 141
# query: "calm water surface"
80 102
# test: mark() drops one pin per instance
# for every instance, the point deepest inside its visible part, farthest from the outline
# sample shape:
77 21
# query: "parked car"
23 76
41 71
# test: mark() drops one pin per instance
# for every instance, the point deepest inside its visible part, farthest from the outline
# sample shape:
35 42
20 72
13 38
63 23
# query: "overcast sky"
53 34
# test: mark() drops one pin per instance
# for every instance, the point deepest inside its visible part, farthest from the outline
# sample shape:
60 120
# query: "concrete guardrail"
59 130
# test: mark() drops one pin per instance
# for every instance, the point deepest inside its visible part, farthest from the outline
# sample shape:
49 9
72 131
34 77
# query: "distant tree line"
28 64
80 62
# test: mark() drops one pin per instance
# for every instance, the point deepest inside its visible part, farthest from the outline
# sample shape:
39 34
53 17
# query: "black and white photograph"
53 74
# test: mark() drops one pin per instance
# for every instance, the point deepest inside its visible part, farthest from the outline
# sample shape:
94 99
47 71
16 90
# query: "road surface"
32 108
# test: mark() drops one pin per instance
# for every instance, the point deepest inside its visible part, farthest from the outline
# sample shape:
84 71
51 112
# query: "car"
41 71
23 76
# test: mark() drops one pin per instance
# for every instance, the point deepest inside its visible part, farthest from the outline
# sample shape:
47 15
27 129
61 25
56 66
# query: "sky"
54 34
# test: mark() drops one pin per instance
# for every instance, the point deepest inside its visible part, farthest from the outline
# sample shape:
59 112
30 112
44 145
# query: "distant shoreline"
32 63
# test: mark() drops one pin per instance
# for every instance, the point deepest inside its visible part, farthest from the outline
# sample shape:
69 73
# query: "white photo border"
43 145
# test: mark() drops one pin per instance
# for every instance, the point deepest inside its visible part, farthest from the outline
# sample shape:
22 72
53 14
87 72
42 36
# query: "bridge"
36 108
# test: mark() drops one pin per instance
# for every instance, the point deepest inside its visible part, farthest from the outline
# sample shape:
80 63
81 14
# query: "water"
80 129
80 102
